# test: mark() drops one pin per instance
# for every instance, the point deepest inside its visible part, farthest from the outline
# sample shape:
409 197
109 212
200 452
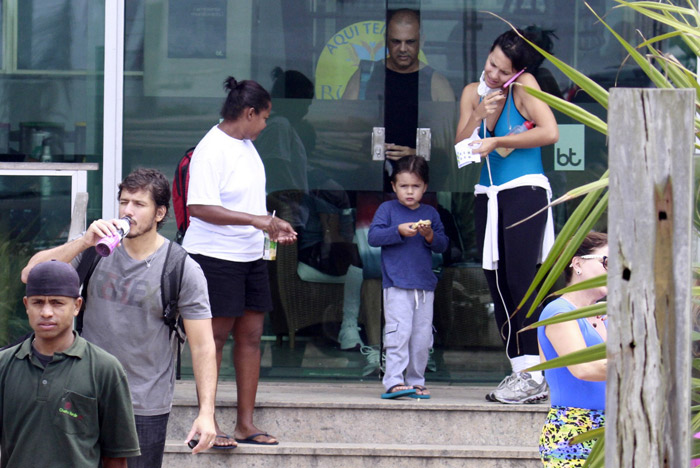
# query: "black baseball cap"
53 278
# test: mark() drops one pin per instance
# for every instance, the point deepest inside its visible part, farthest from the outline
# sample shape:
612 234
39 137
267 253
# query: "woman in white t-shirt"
226 200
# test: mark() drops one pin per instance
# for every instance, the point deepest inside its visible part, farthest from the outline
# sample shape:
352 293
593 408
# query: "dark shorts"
235 287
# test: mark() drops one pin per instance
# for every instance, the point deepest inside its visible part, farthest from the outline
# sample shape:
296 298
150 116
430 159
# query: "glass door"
334 112
328 120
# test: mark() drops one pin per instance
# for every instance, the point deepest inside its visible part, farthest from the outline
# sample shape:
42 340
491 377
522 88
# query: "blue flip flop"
399 393
420 388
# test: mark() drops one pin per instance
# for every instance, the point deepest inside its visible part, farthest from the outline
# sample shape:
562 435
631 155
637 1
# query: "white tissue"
465 148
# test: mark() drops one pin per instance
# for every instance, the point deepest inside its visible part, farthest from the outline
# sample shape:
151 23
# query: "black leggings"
519 251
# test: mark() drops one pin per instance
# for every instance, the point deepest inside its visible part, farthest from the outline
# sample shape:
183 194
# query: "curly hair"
154 182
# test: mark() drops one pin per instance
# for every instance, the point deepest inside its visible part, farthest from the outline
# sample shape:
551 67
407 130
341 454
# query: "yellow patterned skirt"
563 423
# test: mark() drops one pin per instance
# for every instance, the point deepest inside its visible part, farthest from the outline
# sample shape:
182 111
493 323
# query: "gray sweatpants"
408 335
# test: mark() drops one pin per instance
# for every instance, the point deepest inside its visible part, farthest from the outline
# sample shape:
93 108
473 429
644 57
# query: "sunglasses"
603 259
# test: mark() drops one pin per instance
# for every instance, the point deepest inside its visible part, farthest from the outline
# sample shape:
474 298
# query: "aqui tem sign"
570 150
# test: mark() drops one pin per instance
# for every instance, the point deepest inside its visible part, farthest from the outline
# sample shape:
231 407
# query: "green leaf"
596 282
593 434
655 75
588 311
695 449
659 38
647 9
570 247
570 195
693 43
695 423
596 459
545 271
590 354
570 109
674 70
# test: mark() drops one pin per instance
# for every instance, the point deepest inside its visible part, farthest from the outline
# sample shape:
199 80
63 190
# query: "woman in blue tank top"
512 187
578 391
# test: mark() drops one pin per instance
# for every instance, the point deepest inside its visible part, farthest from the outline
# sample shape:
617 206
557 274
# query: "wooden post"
651 135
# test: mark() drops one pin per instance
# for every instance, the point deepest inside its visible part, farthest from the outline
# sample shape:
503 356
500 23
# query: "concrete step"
353 413
349 455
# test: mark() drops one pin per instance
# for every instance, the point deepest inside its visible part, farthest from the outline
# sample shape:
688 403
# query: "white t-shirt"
226 172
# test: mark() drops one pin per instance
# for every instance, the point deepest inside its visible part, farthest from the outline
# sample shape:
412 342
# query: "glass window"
134 24
44 24
34 215
318 148
51 111
2 38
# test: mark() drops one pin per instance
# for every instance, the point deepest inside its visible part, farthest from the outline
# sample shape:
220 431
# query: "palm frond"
592 353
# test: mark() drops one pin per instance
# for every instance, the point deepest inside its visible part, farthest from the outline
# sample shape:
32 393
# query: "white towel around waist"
490 253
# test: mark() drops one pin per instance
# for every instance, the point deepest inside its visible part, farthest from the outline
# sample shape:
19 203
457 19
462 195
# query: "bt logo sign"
570 150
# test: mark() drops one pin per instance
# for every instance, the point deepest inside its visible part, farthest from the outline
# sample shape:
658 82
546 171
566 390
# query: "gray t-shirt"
124 316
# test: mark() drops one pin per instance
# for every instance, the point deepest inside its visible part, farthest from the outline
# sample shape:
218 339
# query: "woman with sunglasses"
577 392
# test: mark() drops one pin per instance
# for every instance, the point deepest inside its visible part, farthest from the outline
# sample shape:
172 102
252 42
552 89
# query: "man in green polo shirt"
63 401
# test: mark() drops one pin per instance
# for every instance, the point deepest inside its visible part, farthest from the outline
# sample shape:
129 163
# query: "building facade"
130 83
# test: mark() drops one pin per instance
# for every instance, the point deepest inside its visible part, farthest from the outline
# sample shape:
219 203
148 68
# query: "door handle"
423 143
378 140
423 136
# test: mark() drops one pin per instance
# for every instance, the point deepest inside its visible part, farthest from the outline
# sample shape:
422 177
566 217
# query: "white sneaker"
520 387
504 382
349 338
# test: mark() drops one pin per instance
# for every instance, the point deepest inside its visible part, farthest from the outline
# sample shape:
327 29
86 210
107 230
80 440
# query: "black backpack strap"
85 268
170 285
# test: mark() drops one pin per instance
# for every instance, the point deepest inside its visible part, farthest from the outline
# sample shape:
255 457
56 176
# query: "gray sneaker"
521 388
504 382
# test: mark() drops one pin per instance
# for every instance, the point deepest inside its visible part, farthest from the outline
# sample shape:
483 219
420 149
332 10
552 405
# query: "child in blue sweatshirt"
408 233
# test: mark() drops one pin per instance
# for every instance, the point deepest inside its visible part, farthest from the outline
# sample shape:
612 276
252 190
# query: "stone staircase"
347 425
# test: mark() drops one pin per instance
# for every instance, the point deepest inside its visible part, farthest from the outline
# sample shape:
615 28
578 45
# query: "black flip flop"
251 439
193 443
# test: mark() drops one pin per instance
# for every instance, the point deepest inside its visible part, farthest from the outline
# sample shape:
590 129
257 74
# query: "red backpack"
180 184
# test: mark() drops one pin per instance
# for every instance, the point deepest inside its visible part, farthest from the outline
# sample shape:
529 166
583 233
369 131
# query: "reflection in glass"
51 107
35 214
327 41
44 23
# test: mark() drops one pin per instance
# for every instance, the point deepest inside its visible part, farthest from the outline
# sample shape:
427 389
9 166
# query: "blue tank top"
520 162
564 388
